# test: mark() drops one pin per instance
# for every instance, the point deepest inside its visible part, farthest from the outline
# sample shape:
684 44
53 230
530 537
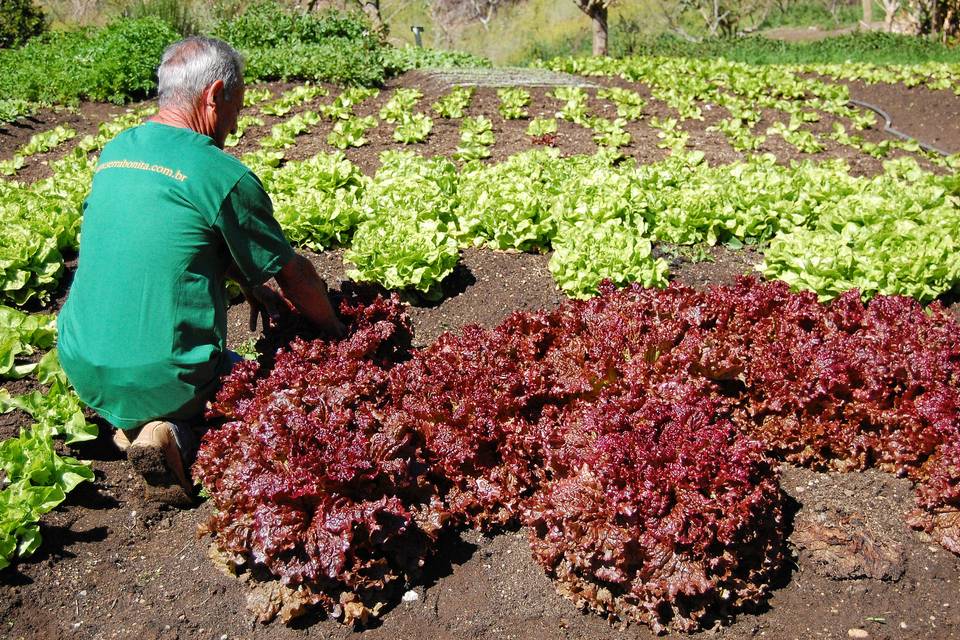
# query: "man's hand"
302 286
268 304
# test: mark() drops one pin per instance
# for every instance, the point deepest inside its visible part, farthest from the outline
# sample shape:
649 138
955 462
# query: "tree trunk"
372 9
936 20
867 12
600 33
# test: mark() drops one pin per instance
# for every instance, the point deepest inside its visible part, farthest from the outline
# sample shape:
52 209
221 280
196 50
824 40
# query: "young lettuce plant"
454 103
413 128
541 127
543 131
252 97
293 98
283 134
610 133
739 134
672 136
36 477
476 138
804 141
21 335
400 105
342 106
350 132
243 123
513 102
629 103
575 104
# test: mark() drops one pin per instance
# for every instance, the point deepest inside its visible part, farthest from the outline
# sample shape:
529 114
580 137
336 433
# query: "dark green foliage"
268 24
126 56
115 63
20 20
336 60
177 13
399 60
628 39
805 13
279 43
874 47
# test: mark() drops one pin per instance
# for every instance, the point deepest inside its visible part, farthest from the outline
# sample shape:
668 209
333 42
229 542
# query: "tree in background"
597 10
935 17
449 16
723 18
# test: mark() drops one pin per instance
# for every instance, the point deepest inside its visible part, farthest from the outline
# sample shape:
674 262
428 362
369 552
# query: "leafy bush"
335 60
126 56
875 47
116 63
179 14
280 43
397 60
20 20
268 23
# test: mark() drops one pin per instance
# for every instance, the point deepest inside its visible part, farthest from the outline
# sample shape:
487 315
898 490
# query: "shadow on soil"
451 551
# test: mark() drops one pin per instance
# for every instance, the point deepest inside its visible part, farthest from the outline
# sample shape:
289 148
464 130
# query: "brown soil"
930 116
114 566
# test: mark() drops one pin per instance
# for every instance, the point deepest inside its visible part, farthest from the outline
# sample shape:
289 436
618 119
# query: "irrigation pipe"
889 129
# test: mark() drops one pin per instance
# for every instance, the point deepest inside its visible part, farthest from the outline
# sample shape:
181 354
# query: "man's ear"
214 94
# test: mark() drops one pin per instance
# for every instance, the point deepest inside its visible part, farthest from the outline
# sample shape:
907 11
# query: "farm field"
112 565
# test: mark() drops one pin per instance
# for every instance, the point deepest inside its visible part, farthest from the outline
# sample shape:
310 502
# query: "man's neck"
176 116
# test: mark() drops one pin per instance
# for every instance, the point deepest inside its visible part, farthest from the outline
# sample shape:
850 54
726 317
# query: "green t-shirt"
142 334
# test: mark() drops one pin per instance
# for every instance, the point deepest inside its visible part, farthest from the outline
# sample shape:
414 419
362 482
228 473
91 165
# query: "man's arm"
307 291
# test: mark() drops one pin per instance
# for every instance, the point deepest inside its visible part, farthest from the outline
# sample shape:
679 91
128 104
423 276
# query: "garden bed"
112 565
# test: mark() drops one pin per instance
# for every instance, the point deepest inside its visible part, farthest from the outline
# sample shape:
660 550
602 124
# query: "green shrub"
116 63
873 46
280 43
179 14
126 56
400 59
336 60
20 20
267 23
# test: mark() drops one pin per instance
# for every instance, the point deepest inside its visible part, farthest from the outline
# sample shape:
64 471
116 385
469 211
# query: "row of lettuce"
37 477
820 227
40 222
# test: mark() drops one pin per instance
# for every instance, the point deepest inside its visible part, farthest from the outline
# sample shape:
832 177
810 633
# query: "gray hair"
193 64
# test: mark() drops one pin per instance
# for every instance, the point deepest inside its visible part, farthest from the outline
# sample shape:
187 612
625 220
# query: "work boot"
162 452
120 439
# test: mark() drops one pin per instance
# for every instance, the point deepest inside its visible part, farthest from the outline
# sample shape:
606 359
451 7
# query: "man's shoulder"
185 144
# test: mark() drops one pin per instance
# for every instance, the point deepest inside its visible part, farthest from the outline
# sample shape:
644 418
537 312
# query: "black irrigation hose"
888 129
